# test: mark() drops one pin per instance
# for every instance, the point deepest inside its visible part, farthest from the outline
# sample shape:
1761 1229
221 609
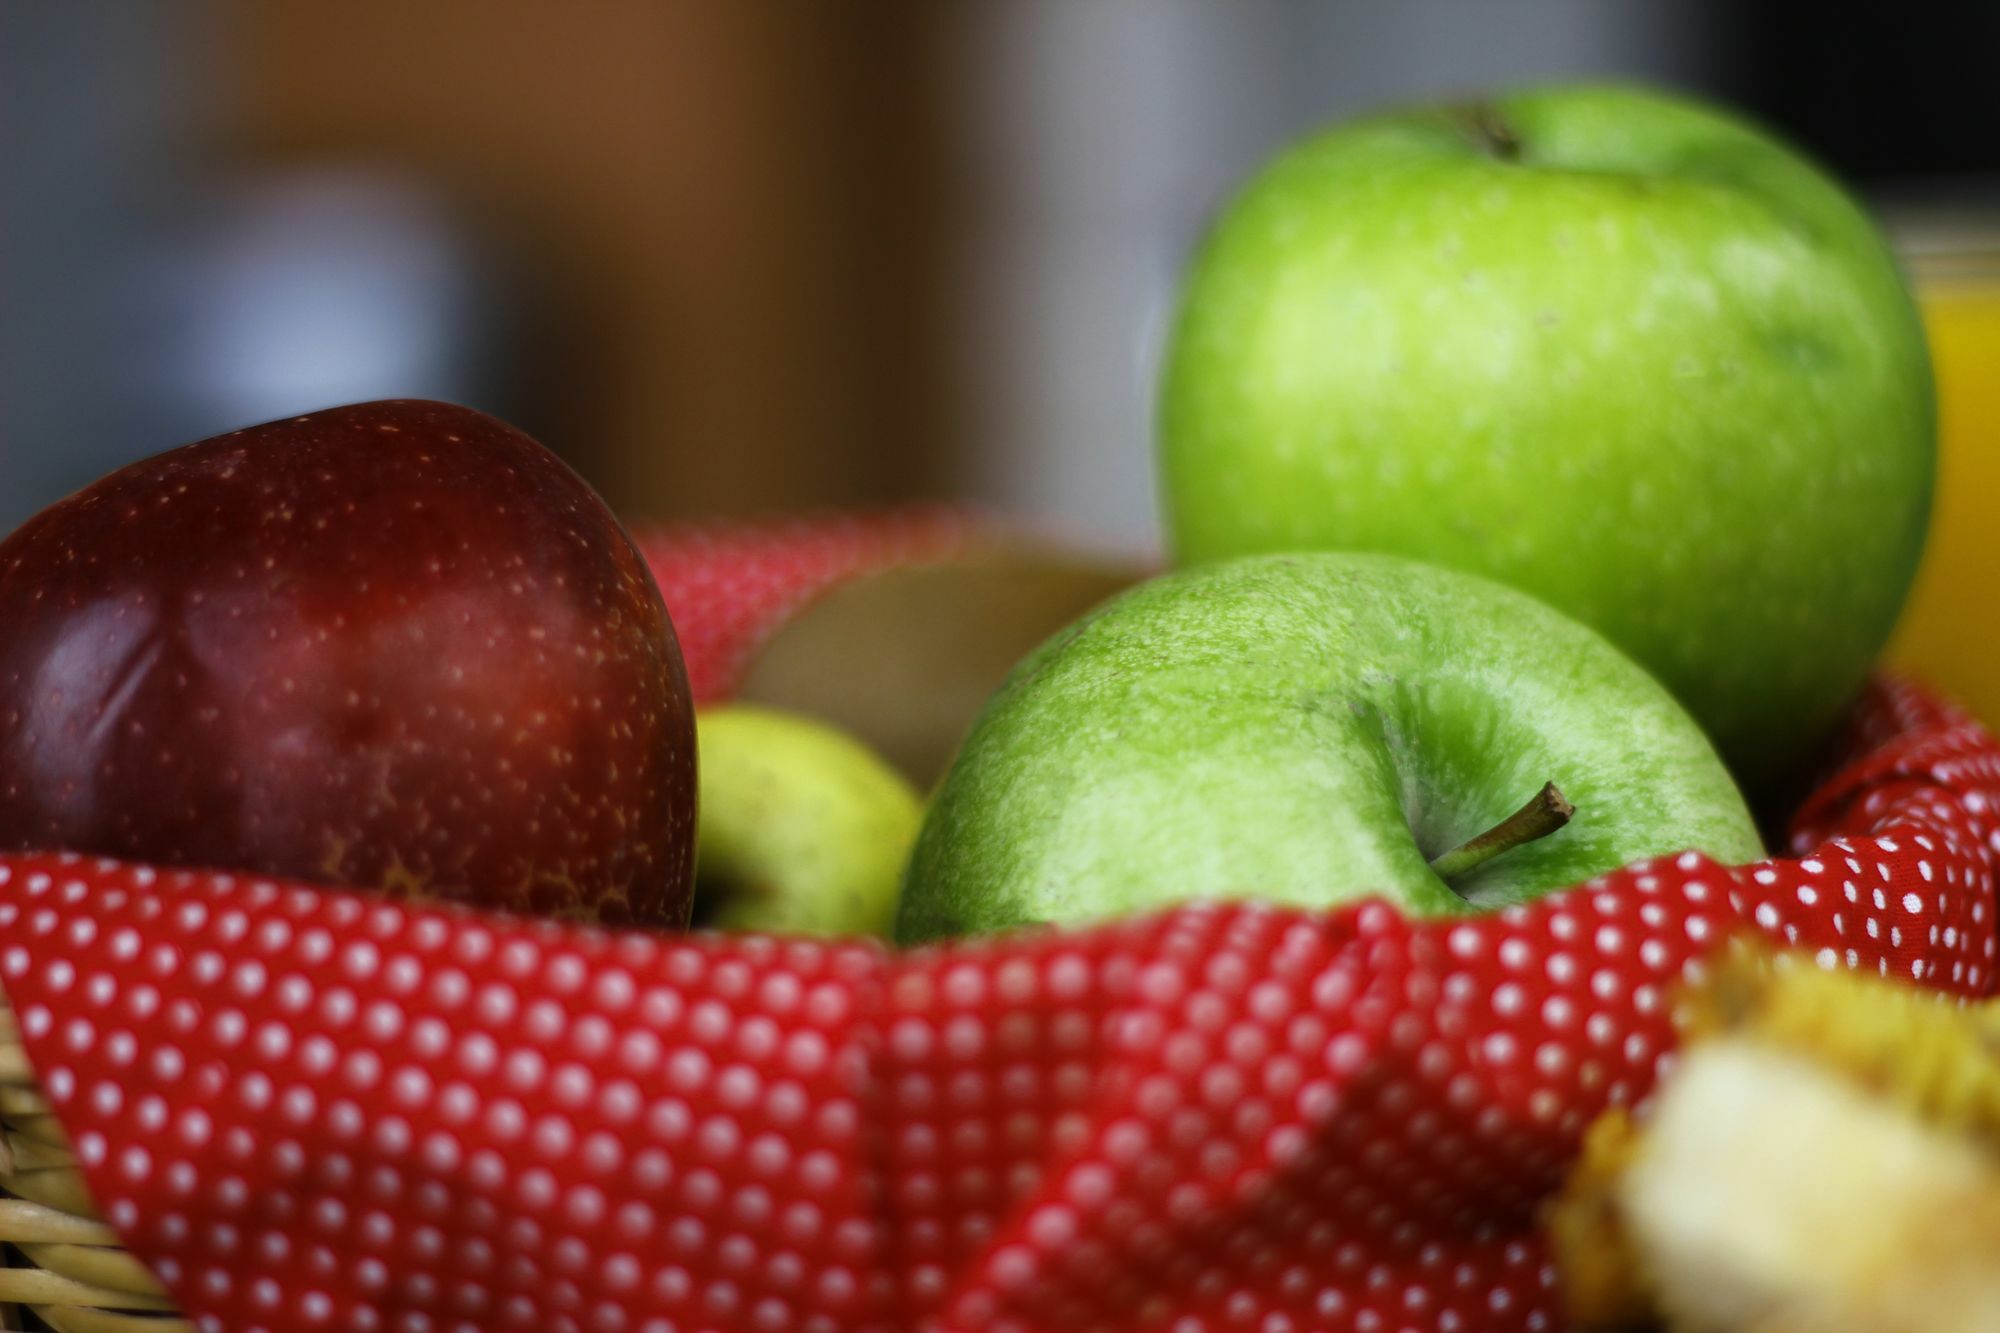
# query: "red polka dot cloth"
729 586
307 1108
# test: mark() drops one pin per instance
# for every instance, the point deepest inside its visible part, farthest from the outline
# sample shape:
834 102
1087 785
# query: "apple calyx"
1544 813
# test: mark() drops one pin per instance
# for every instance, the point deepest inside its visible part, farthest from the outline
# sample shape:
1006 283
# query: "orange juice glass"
1950 631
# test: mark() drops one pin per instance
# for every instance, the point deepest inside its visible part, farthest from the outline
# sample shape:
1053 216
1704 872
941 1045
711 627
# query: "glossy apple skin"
396 644
1646 364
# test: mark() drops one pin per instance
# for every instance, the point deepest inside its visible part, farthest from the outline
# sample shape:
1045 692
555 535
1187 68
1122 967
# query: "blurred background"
730 258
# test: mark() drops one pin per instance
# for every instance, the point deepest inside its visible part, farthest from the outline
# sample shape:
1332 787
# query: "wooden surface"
727 208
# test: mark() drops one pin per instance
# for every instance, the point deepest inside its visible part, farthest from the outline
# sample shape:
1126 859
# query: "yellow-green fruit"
802 828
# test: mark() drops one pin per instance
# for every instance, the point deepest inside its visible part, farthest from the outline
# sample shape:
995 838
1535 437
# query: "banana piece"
1825 1159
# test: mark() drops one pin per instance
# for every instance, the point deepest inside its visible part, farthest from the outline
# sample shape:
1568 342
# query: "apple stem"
1491 132
1546 812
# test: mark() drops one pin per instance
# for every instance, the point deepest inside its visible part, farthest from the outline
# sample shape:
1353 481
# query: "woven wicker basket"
64 1269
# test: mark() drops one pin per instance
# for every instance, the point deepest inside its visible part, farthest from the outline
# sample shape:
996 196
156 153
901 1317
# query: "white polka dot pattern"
312 1109
320 1110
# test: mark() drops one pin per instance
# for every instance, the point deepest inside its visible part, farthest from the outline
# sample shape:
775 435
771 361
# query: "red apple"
397 645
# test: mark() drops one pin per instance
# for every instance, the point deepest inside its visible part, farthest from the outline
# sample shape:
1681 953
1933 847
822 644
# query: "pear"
802 828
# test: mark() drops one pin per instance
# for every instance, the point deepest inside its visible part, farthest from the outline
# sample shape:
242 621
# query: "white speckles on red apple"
326 667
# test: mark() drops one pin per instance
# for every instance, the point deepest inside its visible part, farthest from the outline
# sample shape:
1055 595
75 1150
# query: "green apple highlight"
801 829
1308 729
1615 348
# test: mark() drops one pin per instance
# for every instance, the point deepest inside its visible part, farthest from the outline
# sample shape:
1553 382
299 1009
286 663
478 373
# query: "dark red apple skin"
397 645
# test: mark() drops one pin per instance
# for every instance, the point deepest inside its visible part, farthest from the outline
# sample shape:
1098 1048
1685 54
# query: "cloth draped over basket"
302 1108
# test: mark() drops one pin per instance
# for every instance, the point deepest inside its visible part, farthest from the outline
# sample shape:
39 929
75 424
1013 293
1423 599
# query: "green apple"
1615 348
1307 729
801 829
